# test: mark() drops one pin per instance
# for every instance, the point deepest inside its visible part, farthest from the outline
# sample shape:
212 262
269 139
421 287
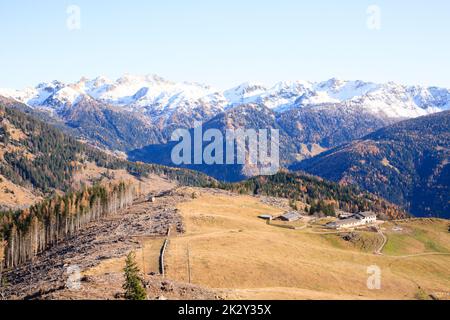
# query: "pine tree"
133 283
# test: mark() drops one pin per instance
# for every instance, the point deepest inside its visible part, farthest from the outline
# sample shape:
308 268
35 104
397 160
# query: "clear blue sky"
225 43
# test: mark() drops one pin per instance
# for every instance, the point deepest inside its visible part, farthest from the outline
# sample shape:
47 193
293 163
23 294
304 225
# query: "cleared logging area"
147 259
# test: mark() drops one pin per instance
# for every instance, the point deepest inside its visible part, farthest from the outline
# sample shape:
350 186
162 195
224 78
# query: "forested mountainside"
320 195
38 156
407 163
105 126
304 132
319 128
108 126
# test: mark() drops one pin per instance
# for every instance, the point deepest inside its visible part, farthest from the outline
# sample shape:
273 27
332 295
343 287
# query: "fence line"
163 252
189 263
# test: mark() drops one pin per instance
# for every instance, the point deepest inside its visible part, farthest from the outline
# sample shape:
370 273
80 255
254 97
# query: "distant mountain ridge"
304 133
407 163
138 114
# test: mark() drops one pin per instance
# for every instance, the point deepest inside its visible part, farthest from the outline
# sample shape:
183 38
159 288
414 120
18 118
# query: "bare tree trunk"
2 258
60 218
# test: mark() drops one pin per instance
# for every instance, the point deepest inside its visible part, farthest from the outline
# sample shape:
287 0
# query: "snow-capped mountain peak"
243 92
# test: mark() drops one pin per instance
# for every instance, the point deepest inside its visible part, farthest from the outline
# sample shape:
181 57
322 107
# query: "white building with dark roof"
357 220
366 217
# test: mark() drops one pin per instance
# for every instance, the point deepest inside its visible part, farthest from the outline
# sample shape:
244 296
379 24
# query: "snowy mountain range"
156 97
133 112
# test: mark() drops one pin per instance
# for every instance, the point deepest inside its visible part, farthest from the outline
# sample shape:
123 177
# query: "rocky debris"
166 286
112 237
87 279
109 287
276 202
173 290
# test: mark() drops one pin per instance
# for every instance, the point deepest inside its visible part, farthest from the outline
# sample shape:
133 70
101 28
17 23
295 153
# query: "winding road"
379 251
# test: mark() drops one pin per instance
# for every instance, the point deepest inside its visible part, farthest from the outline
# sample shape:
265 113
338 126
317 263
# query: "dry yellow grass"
231 250
90 173
13 132
309 151
14 196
